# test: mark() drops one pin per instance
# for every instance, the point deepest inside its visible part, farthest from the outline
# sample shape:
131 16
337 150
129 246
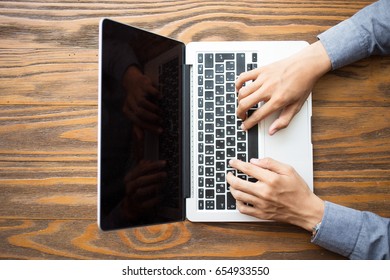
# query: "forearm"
354 234
366 33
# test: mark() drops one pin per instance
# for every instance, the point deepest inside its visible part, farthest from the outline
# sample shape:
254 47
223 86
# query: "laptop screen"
140 124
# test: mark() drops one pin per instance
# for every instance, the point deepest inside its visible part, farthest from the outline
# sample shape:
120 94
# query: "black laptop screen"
139 127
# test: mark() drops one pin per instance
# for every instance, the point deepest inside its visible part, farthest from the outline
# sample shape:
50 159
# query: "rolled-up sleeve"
364 34
354 234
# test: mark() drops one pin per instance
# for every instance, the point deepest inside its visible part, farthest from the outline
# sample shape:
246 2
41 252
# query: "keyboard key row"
221 202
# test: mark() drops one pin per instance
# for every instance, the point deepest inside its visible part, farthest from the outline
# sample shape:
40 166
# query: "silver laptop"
168 127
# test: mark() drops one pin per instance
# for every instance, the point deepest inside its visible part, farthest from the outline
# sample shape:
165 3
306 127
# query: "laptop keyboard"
220 137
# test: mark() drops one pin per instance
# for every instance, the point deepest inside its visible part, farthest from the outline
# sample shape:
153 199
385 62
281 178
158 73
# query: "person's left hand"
279 194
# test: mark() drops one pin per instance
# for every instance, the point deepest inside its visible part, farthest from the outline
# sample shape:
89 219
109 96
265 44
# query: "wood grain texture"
46 239
48 128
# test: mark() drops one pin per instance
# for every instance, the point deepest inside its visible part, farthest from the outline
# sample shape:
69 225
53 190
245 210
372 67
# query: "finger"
284 118
242 196
239 184
246 103
246 209
271 165
261 113
250 88
249 169
246 76
261 174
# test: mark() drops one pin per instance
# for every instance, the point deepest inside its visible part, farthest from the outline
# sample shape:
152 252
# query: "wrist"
317 59
313 61
313 213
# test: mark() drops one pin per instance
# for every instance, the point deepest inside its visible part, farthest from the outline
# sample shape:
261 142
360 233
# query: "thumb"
284 119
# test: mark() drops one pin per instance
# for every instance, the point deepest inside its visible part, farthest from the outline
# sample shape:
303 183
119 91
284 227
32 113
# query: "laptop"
168 127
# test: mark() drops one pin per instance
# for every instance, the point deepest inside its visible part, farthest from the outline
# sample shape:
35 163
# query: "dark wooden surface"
48 128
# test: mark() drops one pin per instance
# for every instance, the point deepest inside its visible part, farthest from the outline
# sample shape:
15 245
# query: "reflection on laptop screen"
140 109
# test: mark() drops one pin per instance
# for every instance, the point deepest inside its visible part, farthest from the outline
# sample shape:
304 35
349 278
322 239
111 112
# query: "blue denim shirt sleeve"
354 234
364 34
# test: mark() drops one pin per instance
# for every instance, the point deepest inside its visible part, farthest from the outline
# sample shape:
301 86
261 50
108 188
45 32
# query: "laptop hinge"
186 140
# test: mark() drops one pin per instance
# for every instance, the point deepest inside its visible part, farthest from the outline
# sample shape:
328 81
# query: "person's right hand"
283 85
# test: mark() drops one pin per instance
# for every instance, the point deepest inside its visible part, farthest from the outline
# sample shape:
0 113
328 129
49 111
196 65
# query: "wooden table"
48 128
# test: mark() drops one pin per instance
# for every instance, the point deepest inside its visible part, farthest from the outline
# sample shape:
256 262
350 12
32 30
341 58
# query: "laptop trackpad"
292 145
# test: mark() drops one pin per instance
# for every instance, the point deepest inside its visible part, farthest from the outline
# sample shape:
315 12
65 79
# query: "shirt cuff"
344 44
339 229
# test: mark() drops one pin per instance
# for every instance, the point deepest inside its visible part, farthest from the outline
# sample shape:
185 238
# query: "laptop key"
220 177
221 57
230 65
200 193
209 117
200 58
210 171
209 128
241 156
254 57
200 69
240 63
209 84
230 87
209 95
209 204
210 183
230 76
219 90
230 130
209 74
220 166
220 133
253 141
230 201
200 91
220 188
209 138
201 158
230 98
210 193
220 111
209 150
219 79
219 68
220 155
220 201
208 60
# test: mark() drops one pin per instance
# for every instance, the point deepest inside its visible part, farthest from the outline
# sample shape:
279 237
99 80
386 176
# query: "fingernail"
272 129
254 160
243 127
